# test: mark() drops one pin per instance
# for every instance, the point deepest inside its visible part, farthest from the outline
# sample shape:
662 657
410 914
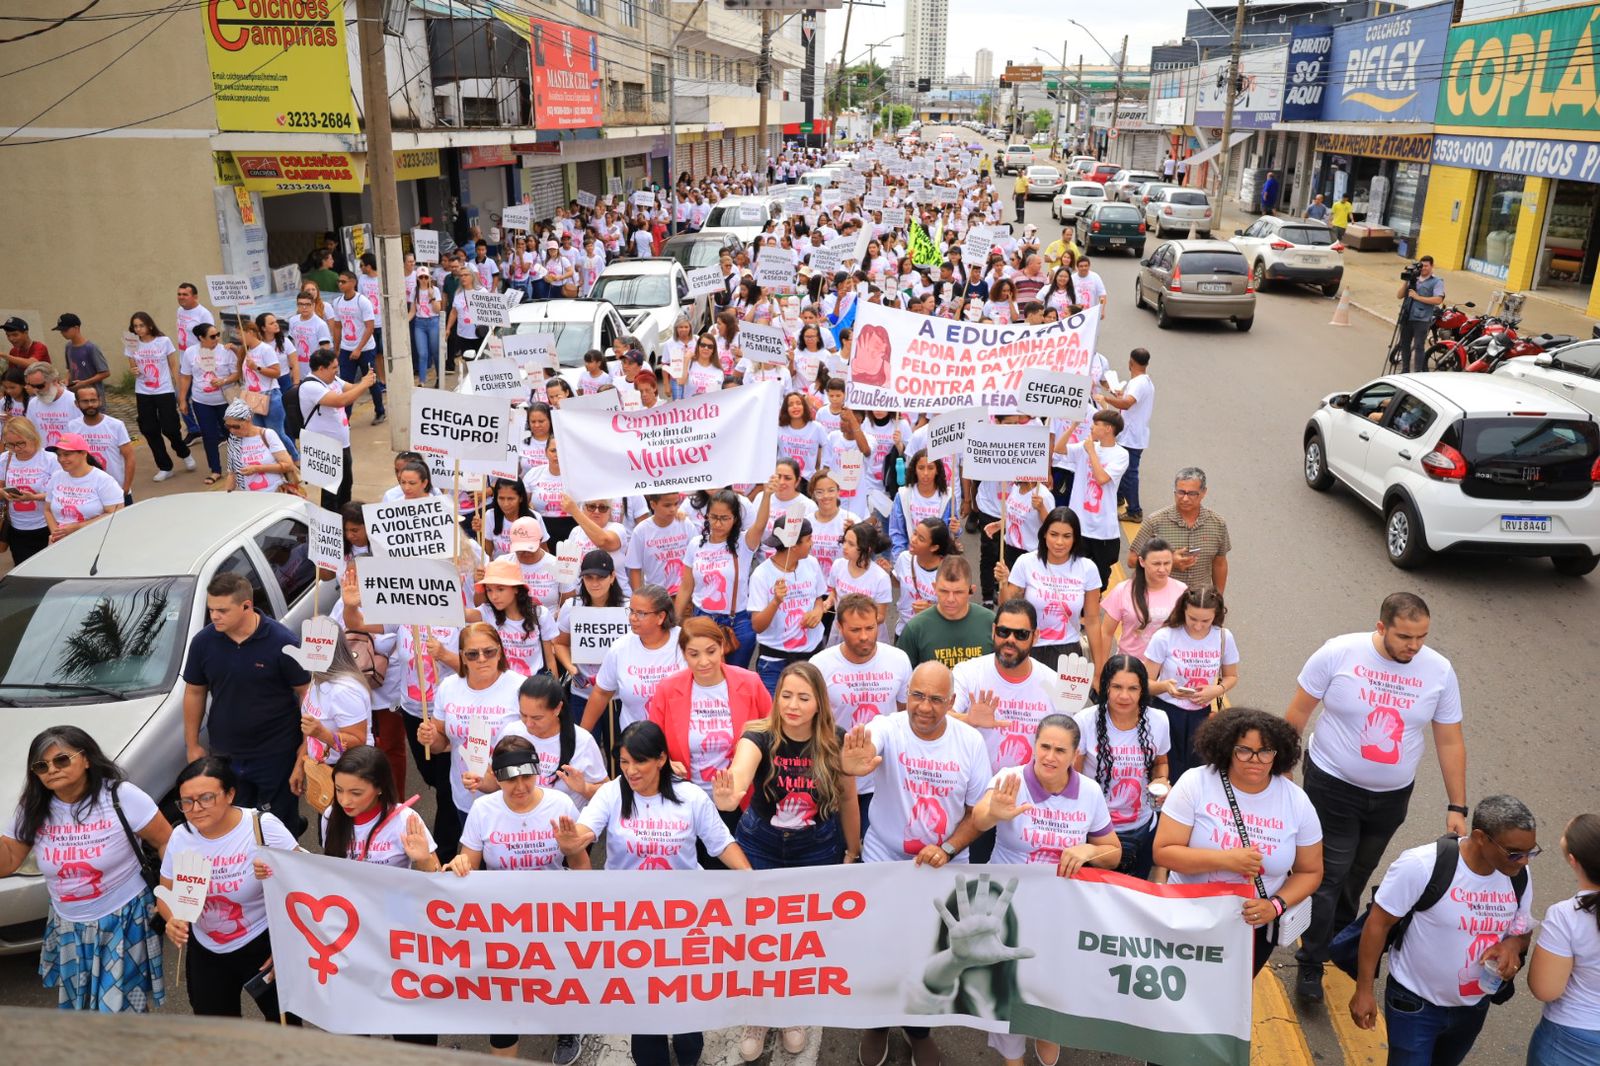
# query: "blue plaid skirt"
112 964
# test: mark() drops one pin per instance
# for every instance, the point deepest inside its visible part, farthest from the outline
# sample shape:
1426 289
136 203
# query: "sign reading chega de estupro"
1530 72
279 66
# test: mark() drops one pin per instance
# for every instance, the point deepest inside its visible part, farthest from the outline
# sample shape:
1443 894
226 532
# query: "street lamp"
1121 62
1061 95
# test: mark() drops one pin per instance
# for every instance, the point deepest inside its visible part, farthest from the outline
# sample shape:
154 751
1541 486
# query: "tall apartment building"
927 32
983 67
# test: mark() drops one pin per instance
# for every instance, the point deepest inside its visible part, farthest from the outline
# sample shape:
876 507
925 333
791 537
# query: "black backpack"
293 419
1345 950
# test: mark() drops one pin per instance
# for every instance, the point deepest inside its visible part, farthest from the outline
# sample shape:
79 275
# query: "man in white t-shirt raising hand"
1378 692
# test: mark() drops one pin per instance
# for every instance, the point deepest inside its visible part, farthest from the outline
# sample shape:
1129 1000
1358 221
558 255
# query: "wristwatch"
1456 808
948 850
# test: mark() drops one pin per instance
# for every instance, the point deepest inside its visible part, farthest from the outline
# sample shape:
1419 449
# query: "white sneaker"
753 1043
162 475
188 463
795 1039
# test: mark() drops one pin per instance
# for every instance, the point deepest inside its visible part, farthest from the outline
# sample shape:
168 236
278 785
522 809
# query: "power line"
54 24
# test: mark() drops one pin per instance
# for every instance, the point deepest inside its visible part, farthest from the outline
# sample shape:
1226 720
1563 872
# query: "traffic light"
924 84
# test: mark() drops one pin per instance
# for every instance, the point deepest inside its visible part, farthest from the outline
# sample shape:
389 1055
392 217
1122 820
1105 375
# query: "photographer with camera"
1423 292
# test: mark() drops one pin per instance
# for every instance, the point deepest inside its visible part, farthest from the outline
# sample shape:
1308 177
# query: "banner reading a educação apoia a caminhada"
1155 972
908 362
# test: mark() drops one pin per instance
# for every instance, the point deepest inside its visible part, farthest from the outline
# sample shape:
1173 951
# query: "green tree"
1042 119
985 108
900 112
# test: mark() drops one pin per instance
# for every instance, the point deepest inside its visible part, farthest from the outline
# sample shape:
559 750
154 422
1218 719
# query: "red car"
1103 172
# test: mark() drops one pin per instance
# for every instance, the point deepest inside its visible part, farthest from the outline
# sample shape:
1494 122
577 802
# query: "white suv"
1469 462
1292 249
1572 371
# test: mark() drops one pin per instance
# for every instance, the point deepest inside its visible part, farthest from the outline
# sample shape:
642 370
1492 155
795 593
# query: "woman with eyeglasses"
718 565
597 526
1193 662
481 699
634 665
84 821
1124 749
651 822
205 372
1273 842
228 944
510 830
1063 584
26 470
258 459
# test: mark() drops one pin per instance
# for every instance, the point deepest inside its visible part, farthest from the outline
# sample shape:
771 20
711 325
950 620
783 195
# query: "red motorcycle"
1487 353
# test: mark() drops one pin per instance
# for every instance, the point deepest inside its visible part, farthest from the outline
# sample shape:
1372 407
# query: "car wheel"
1163 320
1575 565
1330 288
1403 536
1243 324
1138 294
1317 475
1258 276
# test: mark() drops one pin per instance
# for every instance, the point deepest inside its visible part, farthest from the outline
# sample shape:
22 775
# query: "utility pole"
672 110
386 221
1227 109
1116 104
833 112
1083 112
764 80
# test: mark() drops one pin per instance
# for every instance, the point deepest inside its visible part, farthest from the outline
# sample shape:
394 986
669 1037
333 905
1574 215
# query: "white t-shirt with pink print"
660 834
711 738
860 693
1375 710
1021 706
1192 663
923 788
1096 504
1129 793
1054 822
1279 820
1057 592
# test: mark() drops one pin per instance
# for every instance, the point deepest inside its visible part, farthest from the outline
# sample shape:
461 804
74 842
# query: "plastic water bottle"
900 470
1490 982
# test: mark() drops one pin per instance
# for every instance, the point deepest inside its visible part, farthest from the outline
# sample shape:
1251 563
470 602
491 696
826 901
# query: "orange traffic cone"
1341 314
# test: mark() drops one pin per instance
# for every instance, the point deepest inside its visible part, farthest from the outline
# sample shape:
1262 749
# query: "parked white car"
1465 462
1069 203
1173 209
578 326
1291 249
743 216
652 292
95 628
1120 185
1572 372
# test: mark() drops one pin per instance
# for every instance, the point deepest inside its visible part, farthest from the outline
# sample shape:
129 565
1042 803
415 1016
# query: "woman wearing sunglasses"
99 950
1245 757
227 945
481 698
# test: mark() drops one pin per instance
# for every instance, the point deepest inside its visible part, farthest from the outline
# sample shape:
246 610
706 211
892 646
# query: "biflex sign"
279 65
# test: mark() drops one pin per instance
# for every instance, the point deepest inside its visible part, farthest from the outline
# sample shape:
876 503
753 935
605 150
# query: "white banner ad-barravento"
1107 963
902 361
718 438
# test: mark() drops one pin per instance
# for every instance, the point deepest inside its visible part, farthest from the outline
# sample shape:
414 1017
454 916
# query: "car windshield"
1089 189
573 339
1579 358
634 290
1118 213
1213 263
1191 198
694 254
70 638
735 215
1316 236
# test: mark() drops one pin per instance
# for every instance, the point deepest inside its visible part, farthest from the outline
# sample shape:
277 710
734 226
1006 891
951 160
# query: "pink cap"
527 534
70 442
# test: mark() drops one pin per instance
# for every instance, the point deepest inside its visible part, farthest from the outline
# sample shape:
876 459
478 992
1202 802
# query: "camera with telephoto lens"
1411 273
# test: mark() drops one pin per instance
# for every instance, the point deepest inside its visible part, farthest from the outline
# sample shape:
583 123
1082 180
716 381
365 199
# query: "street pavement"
1305 566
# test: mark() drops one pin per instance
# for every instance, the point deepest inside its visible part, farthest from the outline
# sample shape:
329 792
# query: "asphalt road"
1306 566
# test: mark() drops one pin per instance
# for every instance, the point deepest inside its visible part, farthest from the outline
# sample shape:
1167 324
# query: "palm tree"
111 631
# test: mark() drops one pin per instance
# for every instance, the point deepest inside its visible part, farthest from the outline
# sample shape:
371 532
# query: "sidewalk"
1371 279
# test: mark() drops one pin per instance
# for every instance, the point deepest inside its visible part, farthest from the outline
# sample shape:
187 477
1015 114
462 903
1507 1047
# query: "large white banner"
902 361
719 438
1100 962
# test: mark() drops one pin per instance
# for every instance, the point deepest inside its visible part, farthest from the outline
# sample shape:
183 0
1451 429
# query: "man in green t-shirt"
322 271
956 629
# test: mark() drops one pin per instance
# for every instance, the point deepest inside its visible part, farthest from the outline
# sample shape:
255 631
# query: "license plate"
1213 286
1118 240
1524 523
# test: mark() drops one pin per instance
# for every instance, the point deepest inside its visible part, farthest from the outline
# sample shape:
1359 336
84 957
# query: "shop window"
1568 254
1404 204
1494 223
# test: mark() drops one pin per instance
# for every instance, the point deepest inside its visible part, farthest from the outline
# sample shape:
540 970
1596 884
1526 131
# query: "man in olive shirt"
1199 537
956 629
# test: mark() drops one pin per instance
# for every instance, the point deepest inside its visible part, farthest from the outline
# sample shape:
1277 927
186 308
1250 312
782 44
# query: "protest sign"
1074 677
775 273
228 290
643 198
976 248
1005 453
894 216
568 558
1157 972
718 438
594 630
705 280
321 460
325 547
530 351
409 529
826 261
763 344
460 426
496 376
586 199
1048 394
286 279
914 363
610 400
475 752
518 216
946 434
614 185
488 308
425 245
318 635
475 473
873 202
849 472
410 592
191 882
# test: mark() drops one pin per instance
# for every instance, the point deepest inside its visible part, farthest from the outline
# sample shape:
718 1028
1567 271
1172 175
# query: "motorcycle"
1486 354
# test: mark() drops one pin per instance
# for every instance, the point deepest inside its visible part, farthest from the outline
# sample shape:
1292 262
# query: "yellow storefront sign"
279 65
416 163
283 172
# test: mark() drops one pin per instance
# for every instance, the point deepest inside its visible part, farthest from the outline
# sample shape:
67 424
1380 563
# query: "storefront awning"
1204 154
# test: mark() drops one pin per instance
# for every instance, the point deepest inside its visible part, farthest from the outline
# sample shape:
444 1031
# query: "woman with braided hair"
1123 747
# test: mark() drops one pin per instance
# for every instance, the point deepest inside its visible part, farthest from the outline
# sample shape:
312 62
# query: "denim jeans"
1128 487
1554 1044
739 622
436 772
652 1050
769 848
1357 826
1184 723
1425 1034
273 420
264 783
1414 340
354 364
424 347
209 416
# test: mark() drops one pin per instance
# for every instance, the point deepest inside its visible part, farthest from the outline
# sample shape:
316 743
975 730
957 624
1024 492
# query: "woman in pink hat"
526 629
80 492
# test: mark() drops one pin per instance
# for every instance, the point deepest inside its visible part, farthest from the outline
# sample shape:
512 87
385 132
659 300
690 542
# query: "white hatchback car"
1069 203
1572 371
1468 462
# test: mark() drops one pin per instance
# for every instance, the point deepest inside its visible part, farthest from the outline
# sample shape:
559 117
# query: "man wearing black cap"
25 351
86 364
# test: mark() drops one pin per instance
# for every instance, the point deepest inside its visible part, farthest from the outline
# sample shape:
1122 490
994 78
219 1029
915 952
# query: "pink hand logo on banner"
317 909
